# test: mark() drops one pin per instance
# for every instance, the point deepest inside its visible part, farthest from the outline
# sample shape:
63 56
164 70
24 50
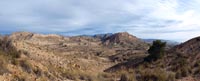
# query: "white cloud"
167 19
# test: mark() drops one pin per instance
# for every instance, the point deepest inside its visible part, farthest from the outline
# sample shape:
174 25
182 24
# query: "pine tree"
156 51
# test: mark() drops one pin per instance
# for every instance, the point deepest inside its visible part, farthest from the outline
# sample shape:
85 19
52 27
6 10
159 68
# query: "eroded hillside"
29 56
180 63
59 58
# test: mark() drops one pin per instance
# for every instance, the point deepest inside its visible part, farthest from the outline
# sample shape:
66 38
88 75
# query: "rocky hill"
58 58
125 39
189 47
181 62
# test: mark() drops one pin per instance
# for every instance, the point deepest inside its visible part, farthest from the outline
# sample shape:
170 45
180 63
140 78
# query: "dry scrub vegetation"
27 56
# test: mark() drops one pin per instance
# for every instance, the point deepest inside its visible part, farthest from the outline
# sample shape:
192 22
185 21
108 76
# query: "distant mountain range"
169 42
103 36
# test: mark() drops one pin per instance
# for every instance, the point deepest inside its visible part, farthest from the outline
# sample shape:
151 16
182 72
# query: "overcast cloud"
163 19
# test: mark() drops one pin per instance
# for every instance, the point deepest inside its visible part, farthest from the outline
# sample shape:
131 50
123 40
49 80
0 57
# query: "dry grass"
156 74
3 64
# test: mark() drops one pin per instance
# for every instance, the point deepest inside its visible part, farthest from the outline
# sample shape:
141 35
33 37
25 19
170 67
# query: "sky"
159 19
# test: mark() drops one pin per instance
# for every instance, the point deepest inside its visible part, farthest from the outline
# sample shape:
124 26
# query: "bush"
197 71
18 78
182 67
8 49
3 64
26 66
127 77
178 74
76 74
183 72
124 77
156 74
156 51
197 64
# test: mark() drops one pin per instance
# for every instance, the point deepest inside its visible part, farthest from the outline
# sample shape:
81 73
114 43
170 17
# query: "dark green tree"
156 51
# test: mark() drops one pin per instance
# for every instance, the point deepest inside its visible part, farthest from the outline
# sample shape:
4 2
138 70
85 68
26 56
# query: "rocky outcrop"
124 39
120 38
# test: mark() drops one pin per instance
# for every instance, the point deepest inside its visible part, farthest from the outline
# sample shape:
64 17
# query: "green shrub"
156 51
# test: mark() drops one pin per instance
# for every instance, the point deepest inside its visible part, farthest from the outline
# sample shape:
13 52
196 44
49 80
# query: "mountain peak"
122 33
121 37
125 39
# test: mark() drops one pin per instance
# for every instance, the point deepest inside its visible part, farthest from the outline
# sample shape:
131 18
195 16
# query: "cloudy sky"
163 19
